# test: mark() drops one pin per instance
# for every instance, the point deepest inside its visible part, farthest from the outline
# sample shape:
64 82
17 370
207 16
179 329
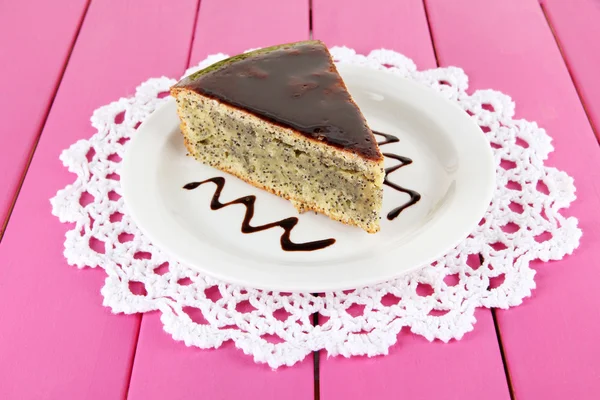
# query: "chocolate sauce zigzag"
388 138
404 161
286 224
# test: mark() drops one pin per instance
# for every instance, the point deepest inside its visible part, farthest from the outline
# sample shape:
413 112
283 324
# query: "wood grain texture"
57 340
164 368
551 341
576 25
34 49
415 368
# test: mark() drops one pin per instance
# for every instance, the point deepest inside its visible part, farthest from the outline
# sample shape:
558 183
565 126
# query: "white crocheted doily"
489 269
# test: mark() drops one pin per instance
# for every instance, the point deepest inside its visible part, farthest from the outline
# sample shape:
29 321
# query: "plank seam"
504 360
316 361
437 61
310 19
569 70
137 340
43 124
189 58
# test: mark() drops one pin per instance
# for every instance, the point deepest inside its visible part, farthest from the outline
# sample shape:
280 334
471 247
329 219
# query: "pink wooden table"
62 59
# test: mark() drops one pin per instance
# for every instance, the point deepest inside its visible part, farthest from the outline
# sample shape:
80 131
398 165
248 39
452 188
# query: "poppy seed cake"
281 119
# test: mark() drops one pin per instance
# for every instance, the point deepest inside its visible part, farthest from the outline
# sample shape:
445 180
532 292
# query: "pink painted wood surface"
375 24
418 369
34 49
58 346
234 26
164 368
551 341
469 369
577 29
57 341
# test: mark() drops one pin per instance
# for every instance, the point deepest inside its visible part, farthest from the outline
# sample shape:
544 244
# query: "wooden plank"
164 368
374 24
415 368
418 369
551 341
576 27
234 26
57 340
168 369
35 49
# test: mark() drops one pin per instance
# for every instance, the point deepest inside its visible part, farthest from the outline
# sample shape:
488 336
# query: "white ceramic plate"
453 170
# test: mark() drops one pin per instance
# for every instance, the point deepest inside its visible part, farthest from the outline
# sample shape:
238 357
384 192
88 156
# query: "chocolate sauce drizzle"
404 161
286 224
388 138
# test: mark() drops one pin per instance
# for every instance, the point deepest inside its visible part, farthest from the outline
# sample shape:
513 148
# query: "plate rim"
135 203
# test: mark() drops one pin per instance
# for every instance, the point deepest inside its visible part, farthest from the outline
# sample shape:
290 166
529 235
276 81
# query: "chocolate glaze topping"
295 86
286 224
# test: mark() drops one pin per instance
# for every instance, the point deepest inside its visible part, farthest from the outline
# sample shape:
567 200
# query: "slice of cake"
281 119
